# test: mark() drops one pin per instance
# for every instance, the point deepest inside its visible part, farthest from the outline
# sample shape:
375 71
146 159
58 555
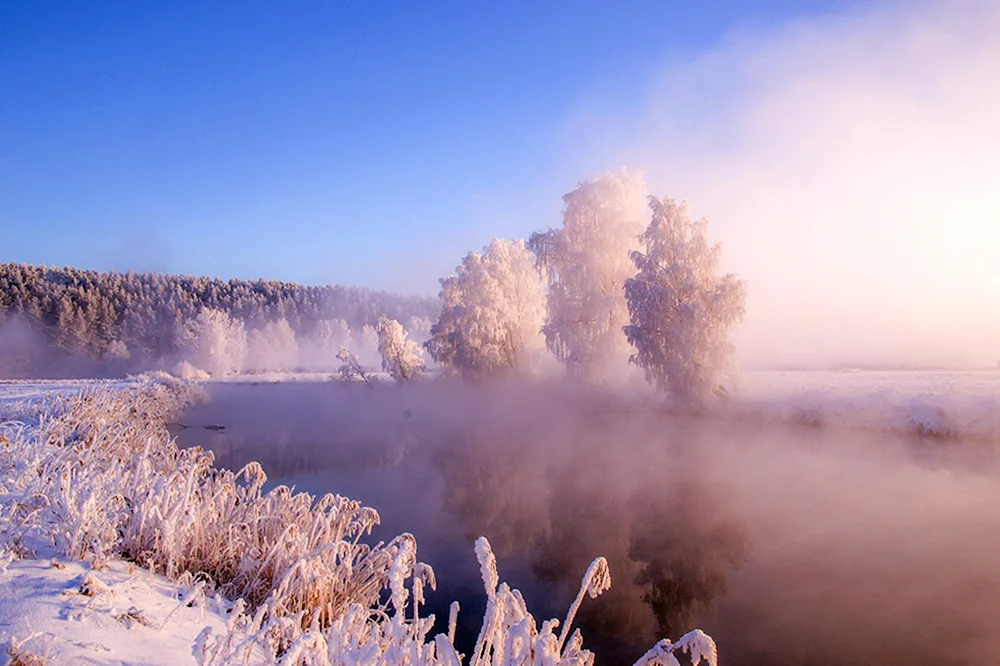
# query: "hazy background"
846 153
850 165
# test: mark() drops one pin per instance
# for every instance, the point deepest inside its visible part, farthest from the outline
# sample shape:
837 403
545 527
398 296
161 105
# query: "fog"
789 544
849 164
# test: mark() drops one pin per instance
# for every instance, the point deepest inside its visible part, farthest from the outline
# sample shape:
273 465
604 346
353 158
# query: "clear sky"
847 153
354 142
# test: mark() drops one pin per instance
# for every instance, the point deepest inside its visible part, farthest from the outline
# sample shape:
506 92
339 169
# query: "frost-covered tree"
273 347
681 311
401 357
331 333
214 342
351 369
586 263
319 349
117 351
492 312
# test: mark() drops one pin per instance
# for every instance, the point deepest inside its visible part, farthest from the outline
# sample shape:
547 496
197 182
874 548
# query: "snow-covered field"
23 399
937 403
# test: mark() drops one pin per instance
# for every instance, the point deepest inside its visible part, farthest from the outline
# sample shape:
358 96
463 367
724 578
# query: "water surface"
788 545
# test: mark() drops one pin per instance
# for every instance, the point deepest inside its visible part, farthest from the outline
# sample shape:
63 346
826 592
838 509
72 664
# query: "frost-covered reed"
99 477
395 633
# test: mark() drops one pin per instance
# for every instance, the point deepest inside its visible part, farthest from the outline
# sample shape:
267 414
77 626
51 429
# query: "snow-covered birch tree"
492 313
401 357
586 263
681 311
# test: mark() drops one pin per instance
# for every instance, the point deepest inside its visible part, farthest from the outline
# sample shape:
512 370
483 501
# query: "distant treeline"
60 316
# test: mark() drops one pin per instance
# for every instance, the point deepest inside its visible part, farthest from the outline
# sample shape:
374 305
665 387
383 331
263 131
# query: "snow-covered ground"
21 400
777 384
119 615
62 612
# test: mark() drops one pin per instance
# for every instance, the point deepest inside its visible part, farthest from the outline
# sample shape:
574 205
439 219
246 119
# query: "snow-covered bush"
213 342
586 263
681 311
273 348
401 357
351 369
492 313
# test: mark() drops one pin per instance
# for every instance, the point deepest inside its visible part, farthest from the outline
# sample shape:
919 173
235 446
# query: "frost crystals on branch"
681 310
586 263
401 357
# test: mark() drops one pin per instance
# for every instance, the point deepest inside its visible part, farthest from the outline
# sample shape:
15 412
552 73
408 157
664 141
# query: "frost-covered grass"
96 477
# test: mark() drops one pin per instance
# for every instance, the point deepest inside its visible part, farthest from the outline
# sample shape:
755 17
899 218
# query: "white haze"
850 165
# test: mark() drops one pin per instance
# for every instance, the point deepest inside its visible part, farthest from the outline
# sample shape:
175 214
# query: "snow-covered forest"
67 321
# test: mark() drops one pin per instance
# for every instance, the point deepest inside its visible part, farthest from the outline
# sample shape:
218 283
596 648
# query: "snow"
15 390
139 619
22 400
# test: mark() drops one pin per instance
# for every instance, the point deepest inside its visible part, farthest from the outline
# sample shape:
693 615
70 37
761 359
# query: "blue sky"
357 142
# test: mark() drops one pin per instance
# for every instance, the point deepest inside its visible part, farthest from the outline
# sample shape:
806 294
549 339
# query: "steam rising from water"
849 164
788 544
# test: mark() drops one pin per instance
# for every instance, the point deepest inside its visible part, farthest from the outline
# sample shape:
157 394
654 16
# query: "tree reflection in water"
669 542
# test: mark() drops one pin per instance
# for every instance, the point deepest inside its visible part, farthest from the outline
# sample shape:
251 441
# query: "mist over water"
788 544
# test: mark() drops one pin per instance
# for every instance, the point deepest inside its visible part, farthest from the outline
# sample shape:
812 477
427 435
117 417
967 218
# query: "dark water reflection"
788 547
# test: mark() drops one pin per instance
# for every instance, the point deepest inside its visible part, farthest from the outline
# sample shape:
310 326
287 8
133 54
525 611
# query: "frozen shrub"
351 369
